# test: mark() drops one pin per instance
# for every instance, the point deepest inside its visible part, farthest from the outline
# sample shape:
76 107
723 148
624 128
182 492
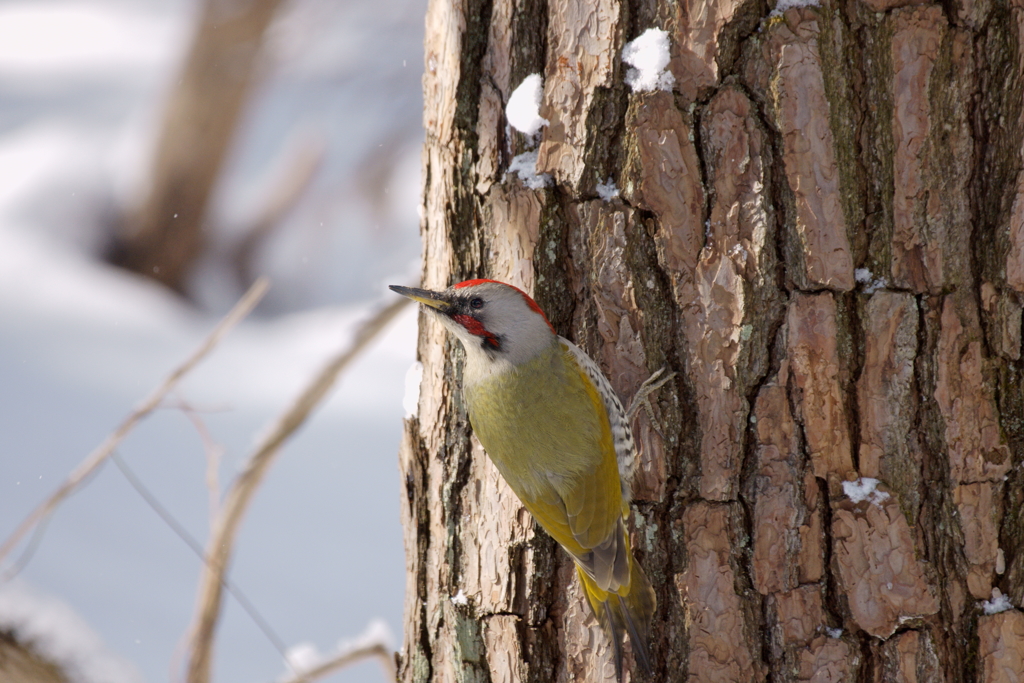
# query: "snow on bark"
578 62
879 570
801 112
707 589
522 110
814 364
836 376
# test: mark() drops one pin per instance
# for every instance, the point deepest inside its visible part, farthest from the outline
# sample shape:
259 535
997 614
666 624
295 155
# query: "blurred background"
111 111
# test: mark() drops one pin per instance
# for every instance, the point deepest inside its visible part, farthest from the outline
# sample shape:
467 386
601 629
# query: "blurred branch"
347 656
213 450
163 238
221 543
179 530
105 449
307 158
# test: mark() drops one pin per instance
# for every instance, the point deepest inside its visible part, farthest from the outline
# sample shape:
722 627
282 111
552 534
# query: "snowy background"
109 585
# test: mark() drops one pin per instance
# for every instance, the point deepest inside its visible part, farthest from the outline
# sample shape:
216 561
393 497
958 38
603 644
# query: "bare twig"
103 451
179 530
350 656
221 543
214 452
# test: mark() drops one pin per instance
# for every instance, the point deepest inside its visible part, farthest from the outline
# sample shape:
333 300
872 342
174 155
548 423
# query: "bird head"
494 321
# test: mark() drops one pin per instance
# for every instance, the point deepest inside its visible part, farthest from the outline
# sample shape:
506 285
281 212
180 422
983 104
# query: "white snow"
59 634
411 398
303 657
377 632
81 342
460 598
523 108
607 190
648 55
784 5
863 489
525 166
867 278
998 603
71 38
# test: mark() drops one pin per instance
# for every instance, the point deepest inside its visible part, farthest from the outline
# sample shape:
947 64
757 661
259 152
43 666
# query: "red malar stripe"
474 326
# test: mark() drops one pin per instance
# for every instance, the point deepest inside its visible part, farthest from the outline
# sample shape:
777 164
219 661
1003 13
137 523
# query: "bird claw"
641 398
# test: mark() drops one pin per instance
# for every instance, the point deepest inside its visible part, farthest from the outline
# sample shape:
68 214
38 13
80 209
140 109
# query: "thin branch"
181 532
350 656
236 502
104 450
214 452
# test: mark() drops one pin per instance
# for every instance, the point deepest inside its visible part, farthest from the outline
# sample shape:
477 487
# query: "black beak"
436 300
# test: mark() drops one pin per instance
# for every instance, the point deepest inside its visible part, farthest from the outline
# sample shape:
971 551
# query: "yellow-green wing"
593 502
547 430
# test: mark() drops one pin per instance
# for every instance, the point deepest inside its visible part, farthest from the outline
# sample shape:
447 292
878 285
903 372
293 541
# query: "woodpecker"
553 426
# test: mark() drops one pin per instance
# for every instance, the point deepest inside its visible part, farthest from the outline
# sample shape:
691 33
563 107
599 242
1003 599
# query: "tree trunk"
821 230
165 235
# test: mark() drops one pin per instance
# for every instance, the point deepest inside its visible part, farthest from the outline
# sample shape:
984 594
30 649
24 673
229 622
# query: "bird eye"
476 302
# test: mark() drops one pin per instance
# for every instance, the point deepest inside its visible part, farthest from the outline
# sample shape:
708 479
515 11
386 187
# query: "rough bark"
164 236
820 230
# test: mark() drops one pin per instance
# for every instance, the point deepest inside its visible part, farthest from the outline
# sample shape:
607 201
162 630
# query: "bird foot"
642 397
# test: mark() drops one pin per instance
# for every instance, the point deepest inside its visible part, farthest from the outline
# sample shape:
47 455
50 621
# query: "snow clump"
864 488
525 166
523 108
998 603
607 190
648 55
867 278
784 5
411 398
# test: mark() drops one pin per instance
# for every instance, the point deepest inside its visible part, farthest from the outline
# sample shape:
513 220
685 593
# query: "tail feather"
630 610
